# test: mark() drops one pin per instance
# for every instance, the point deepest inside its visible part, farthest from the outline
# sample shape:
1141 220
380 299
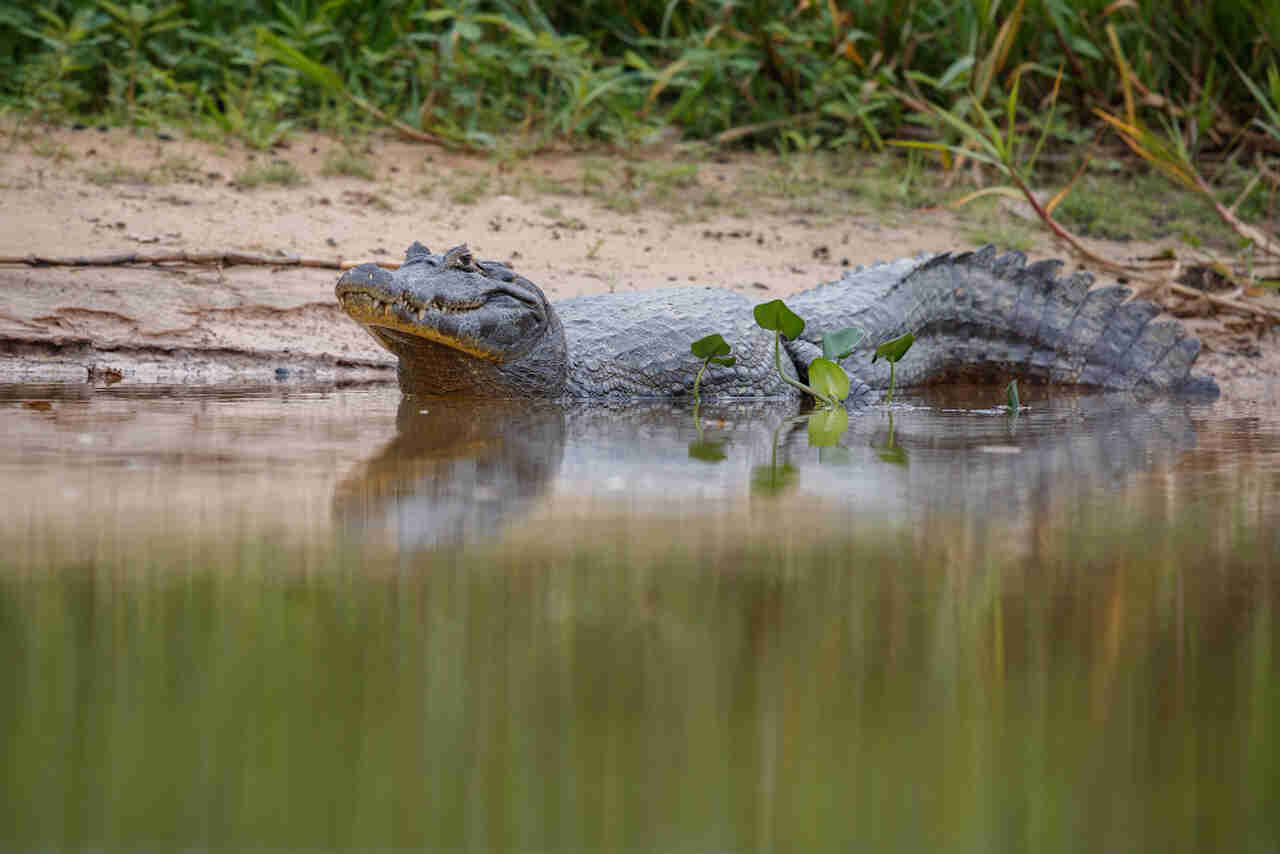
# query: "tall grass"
473 72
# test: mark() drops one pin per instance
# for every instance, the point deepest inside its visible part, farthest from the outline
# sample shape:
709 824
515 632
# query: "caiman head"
458 325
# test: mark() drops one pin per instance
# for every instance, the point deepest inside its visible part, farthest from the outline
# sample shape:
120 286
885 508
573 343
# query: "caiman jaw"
487 319
395 318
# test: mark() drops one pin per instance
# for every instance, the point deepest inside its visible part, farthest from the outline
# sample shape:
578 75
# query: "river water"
336 618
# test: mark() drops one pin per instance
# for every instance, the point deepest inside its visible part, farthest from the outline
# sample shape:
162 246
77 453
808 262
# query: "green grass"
51 150
802 76
279 172
986 222
467 188
348 163
110 174
171 169
1135 204
809 81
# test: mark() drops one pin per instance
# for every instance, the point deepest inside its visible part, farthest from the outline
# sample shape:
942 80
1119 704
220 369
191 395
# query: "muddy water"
335 619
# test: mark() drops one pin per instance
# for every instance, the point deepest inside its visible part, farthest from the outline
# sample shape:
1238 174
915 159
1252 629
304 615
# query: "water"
330 619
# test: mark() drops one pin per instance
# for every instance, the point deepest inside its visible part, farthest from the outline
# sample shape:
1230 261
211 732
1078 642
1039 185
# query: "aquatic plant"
891 451
1014 403
771 478
712 349
893 351
826 426
828 382
839 345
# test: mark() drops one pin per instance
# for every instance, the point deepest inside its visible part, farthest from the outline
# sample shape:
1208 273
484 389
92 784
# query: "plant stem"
889 397
698 379
777 359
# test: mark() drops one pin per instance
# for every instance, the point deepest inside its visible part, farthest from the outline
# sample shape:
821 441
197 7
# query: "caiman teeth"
375 304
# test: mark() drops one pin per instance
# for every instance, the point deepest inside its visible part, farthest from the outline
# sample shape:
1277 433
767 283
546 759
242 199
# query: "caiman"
459 325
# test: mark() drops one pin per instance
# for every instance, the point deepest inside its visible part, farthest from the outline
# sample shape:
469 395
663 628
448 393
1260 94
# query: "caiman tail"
989 317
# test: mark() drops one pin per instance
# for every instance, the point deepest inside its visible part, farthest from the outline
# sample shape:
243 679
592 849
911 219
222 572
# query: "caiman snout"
482 309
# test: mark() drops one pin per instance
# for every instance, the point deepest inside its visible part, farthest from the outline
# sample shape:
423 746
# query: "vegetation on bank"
807 73
1026 91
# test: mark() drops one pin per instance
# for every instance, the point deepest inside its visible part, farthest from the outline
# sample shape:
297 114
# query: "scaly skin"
458 325
461 326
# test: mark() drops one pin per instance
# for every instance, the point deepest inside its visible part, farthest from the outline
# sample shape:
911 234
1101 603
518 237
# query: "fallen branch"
1225 302
735 134
1163 279
224 258
1264 242
408 131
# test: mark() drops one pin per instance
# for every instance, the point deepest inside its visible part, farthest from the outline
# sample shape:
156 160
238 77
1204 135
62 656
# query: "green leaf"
117 12
954 149
711 346
840 345
727 361
895 349
828 379
954 70
776 317
322 75
636 61
1011 113
1012 391
1270 107
826 426
973 134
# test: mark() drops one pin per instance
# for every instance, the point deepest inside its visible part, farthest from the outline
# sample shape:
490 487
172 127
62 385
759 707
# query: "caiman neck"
430 368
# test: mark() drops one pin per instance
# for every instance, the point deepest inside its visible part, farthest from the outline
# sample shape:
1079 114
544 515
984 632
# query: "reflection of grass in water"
889 689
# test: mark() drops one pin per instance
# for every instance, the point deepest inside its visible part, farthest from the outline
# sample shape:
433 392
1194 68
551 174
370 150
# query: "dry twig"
217 258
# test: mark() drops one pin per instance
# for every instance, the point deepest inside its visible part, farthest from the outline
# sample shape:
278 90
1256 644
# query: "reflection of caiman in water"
459 470
455 470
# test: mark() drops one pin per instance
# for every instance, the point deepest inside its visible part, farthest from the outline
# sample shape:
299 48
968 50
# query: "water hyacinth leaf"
895 349
826 426
776 317
840 345
828 379
710 347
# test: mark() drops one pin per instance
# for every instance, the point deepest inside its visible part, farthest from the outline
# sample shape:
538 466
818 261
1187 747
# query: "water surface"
333 618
